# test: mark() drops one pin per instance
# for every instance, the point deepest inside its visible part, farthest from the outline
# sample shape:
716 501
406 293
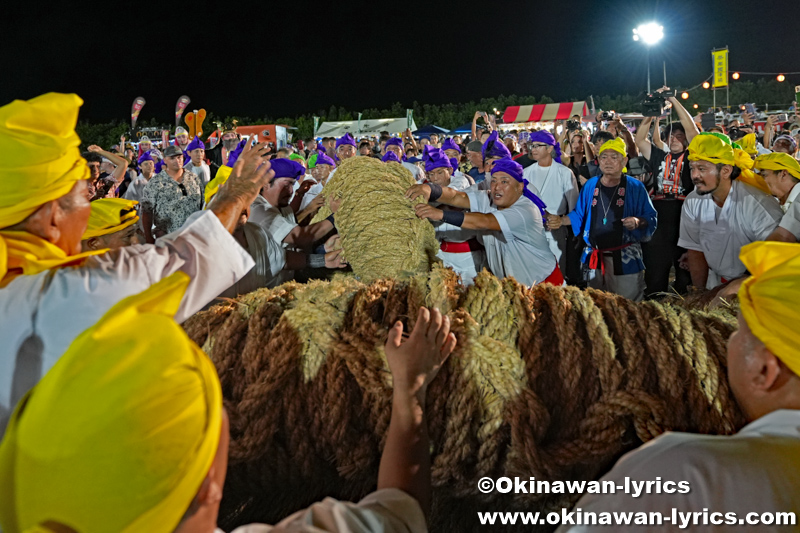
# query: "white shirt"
203 172
310 193
270 259
79 296
748 215
277 222
555 185
520 248
459 182
755 470
383 511
136 188
416 172
791 218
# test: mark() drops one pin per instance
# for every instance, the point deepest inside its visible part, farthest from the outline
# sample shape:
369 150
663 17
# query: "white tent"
369 128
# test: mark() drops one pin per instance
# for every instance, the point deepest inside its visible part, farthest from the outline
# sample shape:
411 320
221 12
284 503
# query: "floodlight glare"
649 33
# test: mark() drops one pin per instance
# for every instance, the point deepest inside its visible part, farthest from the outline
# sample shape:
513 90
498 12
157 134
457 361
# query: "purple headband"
394 141
494 147
323 159
514 169
390 156
144 157
287 168
345 139
450 144
195 144
436 158
235 153
547 138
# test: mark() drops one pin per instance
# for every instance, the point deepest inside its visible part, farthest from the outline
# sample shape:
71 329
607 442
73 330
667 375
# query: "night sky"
283 59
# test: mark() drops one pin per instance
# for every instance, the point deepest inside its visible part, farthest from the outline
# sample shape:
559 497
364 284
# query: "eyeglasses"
539 145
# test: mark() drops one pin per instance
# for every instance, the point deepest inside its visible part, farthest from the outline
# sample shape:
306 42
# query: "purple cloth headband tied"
514 169
547 138
494 147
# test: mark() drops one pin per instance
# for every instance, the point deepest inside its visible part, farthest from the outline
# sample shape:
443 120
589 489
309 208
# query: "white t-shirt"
78 296
520 249
791 218
748 215
136 188
555 185
755 470
383 511
270 259
310 193
278 223
203 172
416 172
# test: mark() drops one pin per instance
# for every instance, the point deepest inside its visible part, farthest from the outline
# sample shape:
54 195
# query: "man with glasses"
556 186
613 215
170 197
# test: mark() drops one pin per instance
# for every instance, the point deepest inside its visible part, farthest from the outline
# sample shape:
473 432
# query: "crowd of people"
113 420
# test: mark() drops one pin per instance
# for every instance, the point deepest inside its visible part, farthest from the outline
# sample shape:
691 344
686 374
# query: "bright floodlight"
649 33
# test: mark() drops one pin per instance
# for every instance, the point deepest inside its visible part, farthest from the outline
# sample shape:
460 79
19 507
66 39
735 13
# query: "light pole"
649 34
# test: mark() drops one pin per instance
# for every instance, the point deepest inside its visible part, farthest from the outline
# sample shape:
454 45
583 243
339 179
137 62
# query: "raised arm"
642 142
414 363
686 119
120 163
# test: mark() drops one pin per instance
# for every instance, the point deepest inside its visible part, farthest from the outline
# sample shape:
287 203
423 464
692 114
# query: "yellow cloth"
121 432
22 253
748 143
41 160
110 215
711 148
769 298
778 161
618 145
213 186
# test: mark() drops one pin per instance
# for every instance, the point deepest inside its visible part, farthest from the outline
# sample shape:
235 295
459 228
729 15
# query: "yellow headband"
778 161
748 143
769 298
121 432
41 161
709 147
110 215
219 180
618 145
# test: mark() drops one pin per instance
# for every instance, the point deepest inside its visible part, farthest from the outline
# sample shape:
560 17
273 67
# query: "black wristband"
330 219
436 192
316 260
455 218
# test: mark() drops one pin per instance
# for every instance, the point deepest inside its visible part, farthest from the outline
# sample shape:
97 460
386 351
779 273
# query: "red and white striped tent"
544 112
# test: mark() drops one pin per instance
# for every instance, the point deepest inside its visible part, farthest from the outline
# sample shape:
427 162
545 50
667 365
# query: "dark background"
285 59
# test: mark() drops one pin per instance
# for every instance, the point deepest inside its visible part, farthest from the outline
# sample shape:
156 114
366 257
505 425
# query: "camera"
655 105
607 115
573 125
735 133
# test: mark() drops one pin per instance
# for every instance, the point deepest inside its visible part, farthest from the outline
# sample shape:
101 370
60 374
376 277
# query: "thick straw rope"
381 235
550 382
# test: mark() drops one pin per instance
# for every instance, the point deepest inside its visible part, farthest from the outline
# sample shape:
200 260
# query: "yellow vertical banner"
720 58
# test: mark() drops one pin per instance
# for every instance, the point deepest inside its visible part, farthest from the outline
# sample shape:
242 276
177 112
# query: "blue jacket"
637 204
